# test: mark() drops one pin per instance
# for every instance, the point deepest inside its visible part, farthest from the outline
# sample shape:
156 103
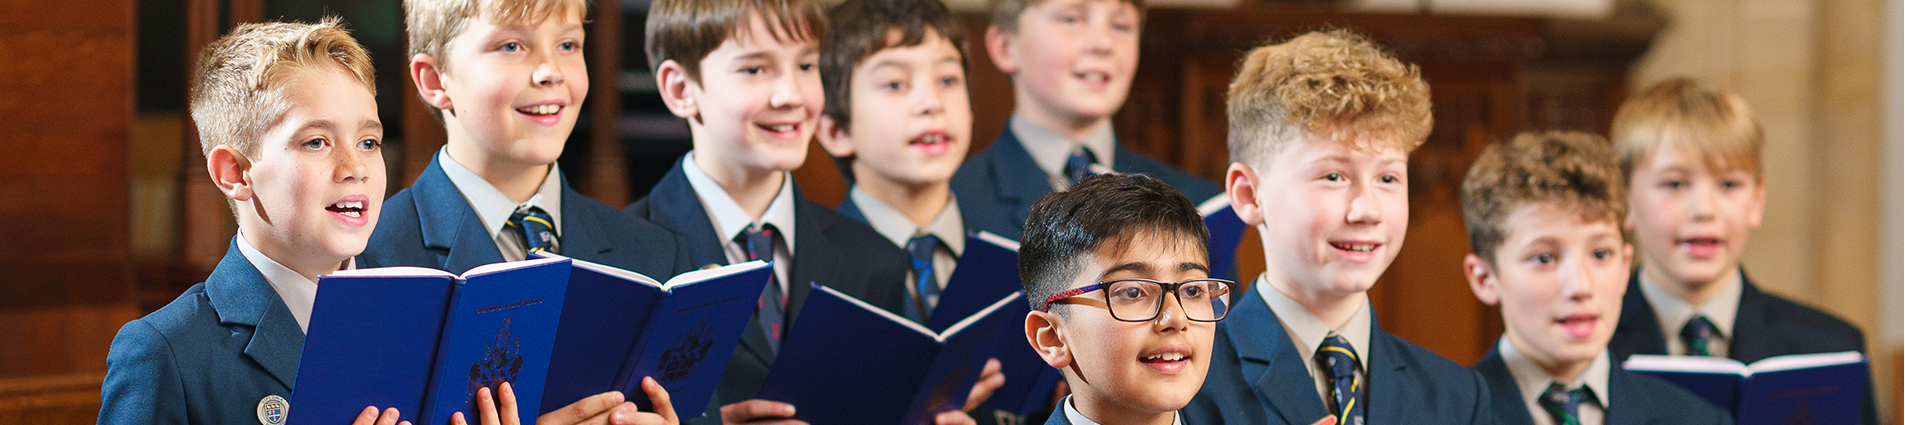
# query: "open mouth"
353 209
789 131
1355 246
1579 325
1171 359
541 110
1700 247
1093 77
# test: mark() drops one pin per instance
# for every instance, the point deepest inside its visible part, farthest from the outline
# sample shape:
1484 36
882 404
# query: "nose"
548 72
1705 201
930 101
787 91
351 165
1576 279
1171 316
1364 208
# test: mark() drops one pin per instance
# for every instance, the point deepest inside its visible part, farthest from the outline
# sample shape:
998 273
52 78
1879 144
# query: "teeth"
541 109
353 213
781 128
1357 247
1097 77
1168 357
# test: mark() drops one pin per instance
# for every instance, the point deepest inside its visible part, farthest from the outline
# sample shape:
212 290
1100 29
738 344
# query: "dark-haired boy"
745 75
1544 214
1118 280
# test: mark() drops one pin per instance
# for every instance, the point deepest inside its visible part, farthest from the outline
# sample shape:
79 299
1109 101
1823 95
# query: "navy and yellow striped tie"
1346 389
1563 404
538 230
1698 334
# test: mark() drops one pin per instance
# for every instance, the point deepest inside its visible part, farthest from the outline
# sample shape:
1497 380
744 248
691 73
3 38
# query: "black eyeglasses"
1141 300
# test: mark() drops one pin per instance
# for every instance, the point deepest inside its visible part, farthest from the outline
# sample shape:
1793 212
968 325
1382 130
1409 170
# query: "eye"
370 144
1390 178
314 143
1603 254
895 85
1124 27
806 66
1195 291
1335 177
754 70
1730 184
511 47
1673 184
570 46
949 81
1543 259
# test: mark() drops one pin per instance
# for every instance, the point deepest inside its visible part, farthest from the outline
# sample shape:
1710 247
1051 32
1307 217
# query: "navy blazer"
832 250
1766 325
1257 377
208 357
1635 399
997 187
432 225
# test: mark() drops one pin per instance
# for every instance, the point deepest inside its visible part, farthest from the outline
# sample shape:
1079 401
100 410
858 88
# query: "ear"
1042 331
1240 182
833 138
1756 212
1481 279
998 47
676 90
428 75
230 170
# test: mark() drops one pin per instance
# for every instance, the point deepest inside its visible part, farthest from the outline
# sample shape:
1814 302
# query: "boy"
507 80
1321 128
1544 214
1071 64
745 75
1122 302
287 115
898 121
1691 157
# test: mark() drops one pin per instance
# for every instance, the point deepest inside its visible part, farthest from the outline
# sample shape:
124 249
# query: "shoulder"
847 235
190 313
622 226
1197 189
1439 369
1802 321
398 230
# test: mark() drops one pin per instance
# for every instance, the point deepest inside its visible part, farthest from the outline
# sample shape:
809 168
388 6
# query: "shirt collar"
1675 312
1308 331
297 292
491 205
949 226
1050 149
1076 418
728 216
1532 380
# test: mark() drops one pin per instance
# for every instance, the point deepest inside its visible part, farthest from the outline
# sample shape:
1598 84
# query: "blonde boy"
507 80
745 76
1544 214
287 118
1692 158
1321 127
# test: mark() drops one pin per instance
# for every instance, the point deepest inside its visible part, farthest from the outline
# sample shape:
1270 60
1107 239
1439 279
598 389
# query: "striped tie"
1563 404
925 283
771 309
1699 333
538 230
1078 165
1346 389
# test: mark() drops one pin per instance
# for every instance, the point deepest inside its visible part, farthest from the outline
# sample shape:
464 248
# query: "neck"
301 262
1693 292
920 203
1112 413
1074 127
1333 308
517 181
1559 370
751 188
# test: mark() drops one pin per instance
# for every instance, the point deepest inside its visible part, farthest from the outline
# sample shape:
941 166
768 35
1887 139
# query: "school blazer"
1257 377
208 357
1765 326
830 250
432 225
1635 399
997 187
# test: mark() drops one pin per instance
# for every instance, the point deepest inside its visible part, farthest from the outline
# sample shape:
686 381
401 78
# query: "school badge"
272 410
679 361
500 363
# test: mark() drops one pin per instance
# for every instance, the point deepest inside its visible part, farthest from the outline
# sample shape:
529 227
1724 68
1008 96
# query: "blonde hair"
1574 170
1332 83
433 24
1005 13
1681 113
685 31
239 86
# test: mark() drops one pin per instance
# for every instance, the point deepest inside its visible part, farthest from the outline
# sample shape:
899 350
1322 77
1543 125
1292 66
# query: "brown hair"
1680 112
864 27
433 24
1005 13
1333 83
239 86
1064 228
1575 170
685 31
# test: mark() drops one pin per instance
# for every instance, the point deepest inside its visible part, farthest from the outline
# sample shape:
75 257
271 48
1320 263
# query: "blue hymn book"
848 362
987 270
1822 388
619 326
423 340
1226 232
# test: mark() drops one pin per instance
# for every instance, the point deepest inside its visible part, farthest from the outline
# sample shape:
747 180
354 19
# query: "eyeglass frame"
1170 287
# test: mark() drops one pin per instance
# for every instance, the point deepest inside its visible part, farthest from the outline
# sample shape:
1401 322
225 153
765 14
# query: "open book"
989 269
1824 388
423 340
619 326
849 362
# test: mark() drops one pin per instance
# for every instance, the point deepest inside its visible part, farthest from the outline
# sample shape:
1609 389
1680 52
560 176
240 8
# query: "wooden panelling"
71 398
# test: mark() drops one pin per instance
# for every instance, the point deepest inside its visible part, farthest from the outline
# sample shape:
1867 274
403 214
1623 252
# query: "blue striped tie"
1698 334
1346 389
1563 404
772 307
538 230
925 283
1078 165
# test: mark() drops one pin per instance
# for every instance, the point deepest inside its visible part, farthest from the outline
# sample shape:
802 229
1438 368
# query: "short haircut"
433 24
862 28
1065 227
685 31
1682 113
1005 13
1335 84
238 89
1574 170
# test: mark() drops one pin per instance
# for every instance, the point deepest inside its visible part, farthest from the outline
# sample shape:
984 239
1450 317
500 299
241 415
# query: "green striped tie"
1562 403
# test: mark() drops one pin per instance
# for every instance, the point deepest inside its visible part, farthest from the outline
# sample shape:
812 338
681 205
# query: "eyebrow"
371 124
1144 268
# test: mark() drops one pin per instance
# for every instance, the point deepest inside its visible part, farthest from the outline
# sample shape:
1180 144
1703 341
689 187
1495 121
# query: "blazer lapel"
241 296
1020 180
1638 331
1504 394
450 225
1620 388
580 237
1748 347
1394 403
674 205
816 251
1270 362
852 210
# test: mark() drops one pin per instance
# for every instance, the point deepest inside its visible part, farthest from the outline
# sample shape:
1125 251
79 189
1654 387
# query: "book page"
975 317
1804 361
509 265
704 275
401 271
1649 362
